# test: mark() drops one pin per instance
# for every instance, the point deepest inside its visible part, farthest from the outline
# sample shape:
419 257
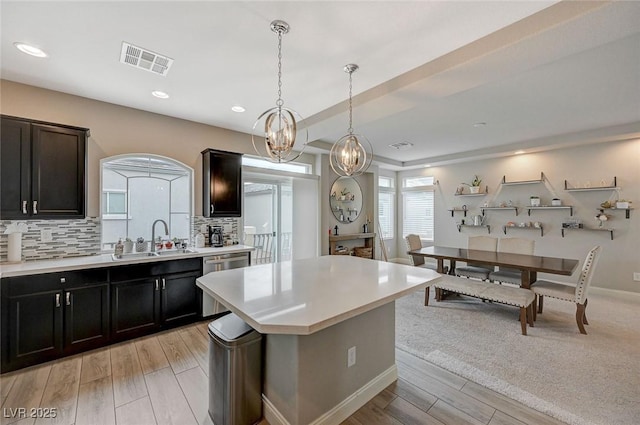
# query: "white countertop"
304 296
105 260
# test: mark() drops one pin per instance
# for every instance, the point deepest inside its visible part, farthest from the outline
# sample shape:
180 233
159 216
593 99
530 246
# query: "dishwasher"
216 263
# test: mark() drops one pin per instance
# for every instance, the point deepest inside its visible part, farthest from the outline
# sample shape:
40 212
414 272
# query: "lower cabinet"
145 298
51 315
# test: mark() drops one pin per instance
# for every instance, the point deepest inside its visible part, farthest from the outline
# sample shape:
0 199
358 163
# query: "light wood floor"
162 379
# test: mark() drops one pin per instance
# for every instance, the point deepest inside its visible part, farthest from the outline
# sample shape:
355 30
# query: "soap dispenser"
119 249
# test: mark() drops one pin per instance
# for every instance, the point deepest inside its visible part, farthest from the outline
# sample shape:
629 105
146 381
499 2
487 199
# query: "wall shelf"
514 183
591 189
504 228
486 191
593 229
499 208
367 237
488 227
626 210
564 207
454 210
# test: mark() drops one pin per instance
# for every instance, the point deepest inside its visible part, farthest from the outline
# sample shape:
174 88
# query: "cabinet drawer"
141 271
25 285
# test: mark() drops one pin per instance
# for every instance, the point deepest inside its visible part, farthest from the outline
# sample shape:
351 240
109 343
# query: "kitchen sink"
167 253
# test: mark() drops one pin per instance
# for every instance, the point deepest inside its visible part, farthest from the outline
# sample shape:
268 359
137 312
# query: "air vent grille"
401 145
145 59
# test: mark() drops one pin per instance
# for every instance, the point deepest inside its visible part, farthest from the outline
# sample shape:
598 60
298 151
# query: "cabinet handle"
164 284
157 285
211 208
24 207
57 300
68 298
35 207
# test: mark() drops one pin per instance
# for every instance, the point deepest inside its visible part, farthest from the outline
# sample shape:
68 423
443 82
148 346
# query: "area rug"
578 379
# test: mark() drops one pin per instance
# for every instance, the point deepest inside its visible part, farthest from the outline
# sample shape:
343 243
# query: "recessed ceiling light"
520 152
30 50
237 108
479 124
160 94
427 165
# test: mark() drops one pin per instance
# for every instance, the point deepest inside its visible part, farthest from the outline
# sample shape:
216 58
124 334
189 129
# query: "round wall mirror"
345 199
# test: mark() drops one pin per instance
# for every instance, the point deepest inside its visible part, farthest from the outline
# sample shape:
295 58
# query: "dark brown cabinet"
221 184
43 169
147 297
50 315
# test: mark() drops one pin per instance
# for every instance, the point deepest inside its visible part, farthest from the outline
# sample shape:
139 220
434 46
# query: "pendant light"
278 124
351 155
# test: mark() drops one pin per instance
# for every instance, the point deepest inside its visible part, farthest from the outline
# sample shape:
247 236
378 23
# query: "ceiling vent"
145 59
401 145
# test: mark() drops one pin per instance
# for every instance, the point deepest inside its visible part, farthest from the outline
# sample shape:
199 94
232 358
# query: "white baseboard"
345 408
615 293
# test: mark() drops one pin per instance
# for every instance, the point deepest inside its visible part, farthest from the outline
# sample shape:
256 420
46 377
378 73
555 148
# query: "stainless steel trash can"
235 372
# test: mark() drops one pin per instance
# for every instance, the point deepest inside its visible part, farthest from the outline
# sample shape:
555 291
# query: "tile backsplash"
69 238
79 237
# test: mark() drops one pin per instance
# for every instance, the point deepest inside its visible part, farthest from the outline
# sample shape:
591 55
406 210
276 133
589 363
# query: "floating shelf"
563 207
504 229
486 191
626 210
514 183
594 229
590 189
499 208
460 226
454 210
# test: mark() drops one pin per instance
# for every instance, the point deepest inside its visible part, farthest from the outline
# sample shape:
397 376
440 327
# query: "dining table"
529 265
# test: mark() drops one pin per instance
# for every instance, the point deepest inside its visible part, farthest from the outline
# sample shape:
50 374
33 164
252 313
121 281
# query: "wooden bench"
503 294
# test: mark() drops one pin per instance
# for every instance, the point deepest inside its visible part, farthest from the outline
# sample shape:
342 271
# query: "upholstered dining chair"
513 246
478 271
577 294
413 242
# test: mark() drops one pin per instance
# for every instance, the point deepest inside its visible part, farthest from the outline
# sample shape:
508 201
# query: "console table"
369 241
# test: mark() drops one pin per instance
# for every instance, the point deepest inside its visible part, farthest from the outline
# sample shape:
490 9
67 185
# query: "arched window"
136 190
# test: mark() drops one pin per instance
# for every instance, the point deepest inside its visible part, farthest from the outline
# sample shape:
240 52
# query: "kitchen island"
313 314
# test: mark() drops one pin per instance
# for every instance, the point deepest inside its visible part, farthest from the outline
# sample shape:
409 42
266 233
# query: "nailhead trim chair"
413 242
577 294
477 271
513 246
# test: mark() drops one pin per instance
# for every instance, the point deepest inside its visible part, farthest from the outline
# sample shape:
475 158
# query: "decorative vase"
128 247
535 202
474 189
141 246
622 205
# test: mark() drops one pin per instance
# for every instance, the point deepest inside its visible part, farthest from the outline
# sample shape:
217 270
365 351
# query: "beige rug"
580 379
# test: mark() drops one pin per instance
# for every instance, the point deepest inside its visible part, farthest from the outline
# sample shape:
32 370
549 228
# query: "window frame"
388 190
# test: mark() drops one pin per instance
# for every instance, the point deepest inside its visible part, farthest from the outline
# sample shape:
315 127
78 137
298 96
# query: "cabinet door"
58 172
222 184
35 327
15 169
180 298
135 308
86 317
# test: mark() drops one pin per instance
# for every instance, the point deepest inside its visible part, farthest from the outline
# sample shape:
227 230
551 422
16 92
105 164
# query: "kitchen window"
138 189
418 207
386 206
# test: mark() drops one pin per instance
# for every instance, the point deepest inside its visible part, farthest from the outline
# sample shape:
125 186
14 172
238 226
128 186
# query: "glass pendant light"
279 124
351 155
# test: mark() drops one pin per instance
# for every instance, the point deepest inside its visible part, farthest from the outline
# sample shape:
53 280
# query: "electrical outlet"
351 356
46 235
636 276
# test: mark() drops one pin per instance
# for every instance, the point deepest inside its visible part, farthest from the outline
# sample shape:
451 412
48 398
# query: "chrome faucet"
153 233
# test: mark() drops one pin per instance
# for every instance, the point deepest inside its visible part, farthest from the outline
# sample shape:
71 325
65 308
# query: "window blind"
385 214
418 214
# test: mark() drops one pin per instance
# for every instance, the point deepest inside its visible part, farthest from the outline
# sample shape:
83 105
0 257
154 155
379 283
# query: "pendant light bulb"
280 126
351 155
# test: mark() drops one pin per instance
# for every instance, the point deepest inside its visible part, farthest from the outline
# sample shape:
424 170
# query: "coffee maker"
216 238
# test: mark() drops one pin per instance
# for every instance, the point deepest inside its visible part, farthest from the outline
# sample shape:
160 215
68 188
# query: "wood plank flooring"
162 379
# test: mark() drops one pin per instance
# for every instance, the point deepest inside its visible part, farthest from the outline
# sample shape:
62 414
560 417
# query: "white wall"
593 163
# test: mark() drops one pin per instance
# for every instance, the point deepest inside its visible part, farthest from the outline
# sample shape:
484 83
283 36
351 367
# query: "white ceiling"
540 74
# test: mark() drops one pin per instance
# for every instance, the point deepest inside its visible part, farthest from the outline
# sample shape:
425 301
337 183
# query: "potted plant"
141 245
556 202
474 186
535 201
343 194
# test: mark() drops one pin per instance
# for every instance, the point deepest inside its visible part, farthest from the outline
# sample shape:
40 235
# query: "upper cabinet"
43 170
221 184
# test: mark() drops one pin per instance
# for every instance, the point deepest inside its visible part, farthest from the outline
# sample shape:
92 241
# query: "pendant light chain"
350 103
279 102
